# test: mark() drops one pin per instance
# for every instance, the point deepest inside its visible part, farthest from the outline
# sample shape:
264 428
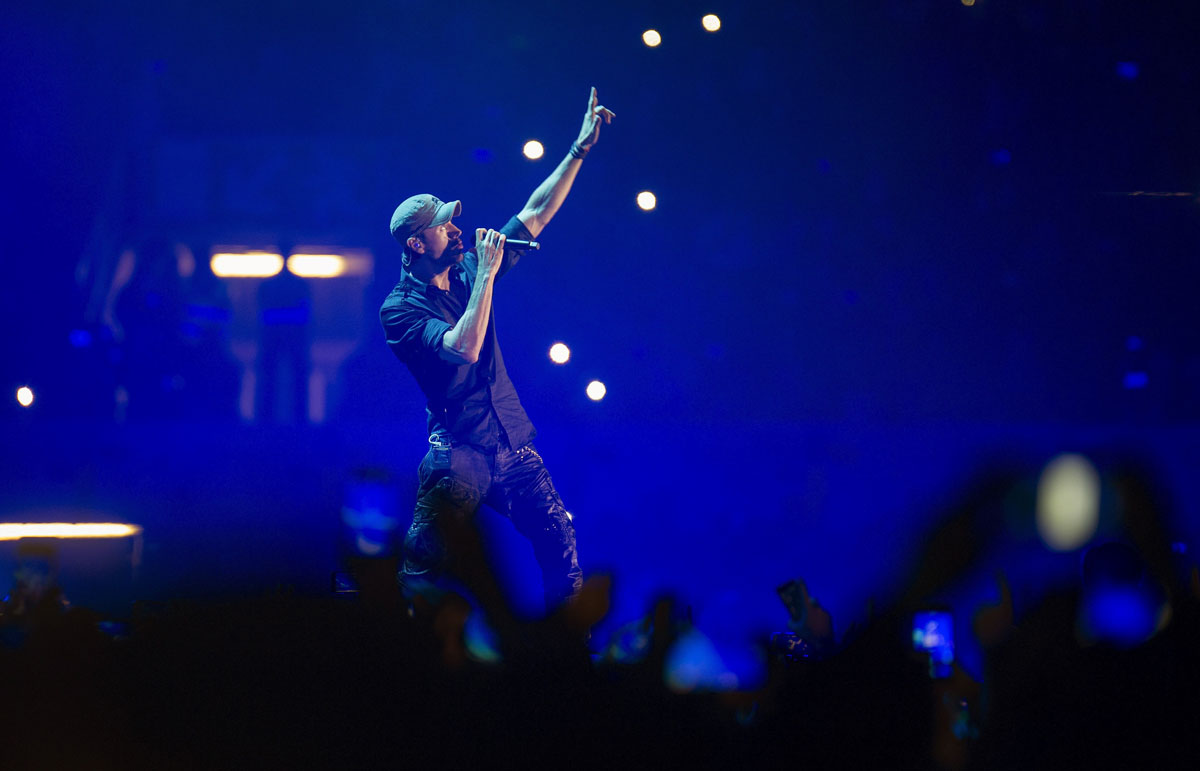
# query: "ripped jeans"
454 480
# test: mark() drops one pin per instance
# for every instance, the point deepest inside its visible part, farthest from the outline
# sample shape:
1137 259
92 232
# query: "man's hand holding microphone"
489 247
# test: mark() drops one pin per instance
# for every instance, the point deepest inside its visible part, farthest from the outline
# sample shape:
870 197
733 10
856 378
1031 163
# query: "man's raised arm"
543 204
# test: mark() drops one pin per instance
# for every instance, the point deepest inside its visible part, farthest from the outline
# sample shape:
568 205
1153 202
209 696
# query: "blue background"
894 246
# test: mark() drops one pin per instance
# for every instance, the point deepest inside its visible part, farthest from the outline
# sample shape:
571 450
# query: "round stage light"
711 22
533 150
1068 502
646 200
596 390
560 353
25 396
651 38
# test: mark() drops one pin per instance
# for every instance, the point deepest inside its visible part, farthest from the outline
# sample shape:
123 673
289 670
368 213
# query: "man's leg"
452 483
537 511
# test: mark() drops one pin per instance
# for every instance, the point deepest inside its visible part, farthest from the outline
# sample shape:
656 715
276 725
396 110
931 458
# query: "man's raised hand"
595 115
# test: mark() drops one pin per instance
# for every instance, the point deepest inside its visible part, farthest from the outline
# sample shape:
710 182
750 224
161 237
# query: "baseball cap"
420 212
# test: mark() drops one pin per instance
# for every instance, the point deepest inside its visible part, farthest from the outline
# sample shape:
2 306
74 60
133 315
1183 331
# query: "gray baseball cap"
420 212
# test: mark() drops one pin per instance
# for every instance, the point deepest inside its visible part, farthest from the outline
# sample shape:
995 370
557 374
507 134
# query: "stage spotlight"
968 3
711 22
12 531
533 150
246 264
560 353
651 38
25 396
80 338
317 265
1134 380
596 390
646 200
1068 502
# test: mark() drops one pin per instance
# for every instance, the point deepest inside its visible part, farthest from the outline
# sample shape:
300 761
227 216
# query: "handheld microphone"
512 243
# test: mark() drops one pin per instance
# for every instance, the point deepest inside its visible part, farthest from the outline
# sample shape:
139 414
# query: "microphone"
515 244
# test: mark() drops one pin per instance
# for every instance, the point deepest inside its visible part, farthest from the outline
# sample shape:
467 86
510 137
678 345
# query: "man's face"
443 244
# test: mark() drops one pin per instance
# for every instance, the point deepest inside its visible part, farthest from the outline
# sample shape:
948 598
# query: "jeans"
454 480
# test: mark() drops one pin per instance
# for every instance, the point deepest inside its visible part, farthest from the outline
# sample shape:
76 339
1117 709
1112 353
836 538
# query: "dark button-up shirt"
475 403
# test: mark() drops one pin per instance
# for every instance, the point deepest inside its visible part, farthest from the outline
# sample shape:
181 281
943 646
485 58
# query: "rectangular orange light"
12 531
317 265
246 264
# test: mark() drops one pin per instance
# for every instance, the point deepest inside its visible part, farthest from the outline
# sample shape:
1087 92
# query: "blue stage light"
25 396
1135 380
80 338
1121 615
596 390
1128 70
533 150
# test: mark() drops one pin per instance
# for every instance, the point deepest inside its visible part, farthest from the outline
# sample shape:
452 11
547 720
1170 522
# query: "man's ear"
415 245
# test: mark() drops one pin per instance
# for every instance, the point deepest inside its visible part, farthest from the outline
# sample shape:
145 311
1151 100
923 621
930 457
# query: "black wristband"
578 152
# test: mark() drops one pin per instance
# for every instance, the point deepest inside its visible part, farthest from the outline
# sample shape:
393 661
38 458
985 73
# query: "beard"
451 255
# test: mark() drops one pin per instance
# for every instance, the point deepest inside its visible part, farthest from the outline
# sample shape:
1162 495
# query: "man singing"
439 322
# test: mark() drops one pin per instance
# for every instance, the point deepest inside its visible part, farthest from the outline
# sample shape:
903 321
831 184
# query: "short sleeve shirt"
475 403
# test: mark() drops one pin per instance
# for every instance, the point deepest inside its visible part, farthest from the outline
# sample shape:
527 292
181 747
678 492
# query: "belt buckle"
439 442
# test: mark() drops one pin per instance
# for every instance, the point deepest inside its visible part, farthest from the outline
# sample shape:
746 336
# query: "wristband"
578 152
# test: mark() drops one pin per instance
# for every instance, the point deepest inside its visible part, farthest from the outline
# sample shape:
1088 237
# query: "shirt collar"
424 286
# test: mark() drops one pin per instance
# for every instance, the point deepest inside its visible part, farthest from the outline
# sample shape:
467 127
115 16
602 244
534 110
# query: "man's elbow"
455 355
532 219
